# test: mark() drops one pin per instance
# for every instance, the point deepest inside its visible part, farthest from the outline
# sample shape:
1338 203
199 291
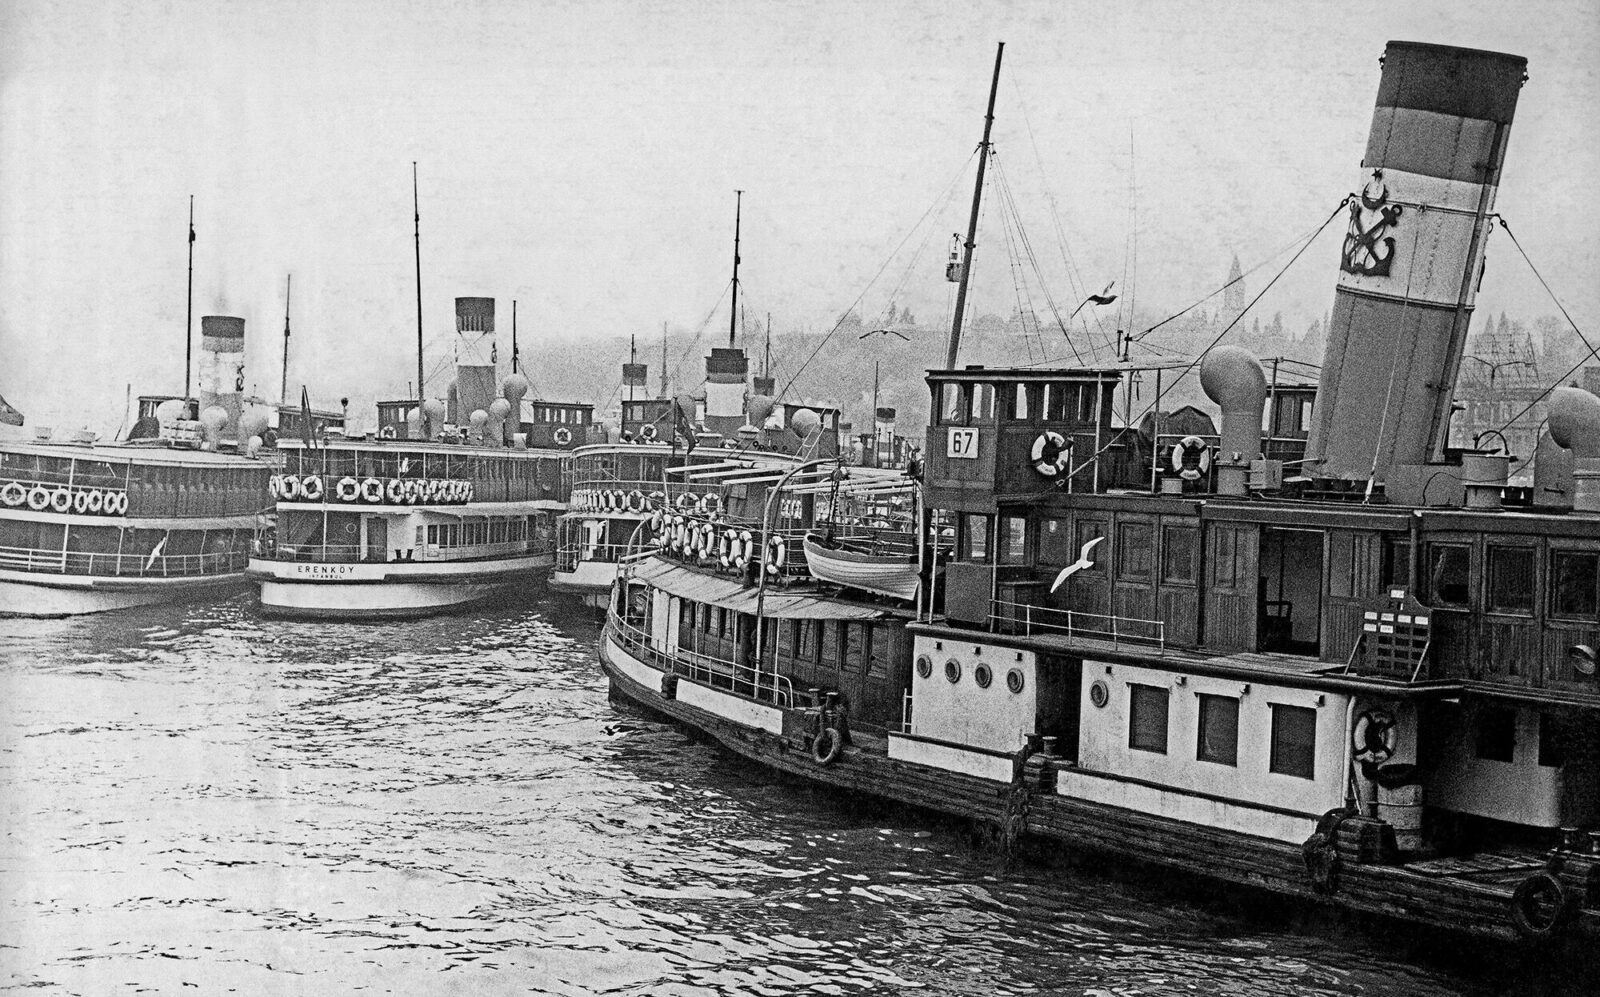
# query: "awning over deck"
727 593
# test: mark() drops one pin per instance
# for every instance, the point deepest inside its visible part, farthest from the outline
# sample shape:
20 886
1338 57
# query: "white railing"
1030 620
432 553
59 562
745 680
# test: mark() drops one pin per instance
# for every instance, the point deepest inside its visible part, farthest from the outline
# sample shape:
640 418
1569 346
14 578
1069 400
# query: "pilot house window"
1013 540
1449 572
1510 580
1219 730
1575 583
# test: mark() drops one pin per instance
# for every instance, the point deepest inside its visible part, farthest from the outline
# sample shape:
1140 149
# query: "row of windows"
1062 402
556 415
823 642
1496 740
385 464
1134 552
1292 746
476 532
1510 579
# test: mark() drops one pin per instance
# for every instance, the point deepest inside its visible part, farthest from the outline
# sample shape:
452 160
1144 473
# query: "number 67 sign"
962 443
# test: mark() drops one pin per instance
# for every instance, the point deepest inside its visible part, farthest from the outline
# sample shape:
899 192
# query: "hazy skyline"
581 158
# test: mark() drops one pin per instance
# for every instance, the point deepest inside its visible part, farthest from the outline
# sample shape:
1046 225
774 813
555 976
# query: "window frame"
1277 764
1553 606
1148 692
1202 725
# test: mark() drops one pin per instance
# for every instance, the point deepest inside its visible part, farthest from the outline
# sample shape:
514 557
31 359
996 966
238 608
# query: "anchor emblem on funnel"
1368 251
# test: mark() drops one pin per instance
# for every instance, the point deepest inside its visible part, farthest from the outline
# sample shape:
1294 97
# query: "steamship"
448 503
1367 683
164 515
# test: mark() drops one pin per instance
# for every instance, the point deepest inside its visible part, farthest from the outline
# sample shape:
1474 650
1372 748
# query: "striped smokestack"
222 366
475 358
1412 258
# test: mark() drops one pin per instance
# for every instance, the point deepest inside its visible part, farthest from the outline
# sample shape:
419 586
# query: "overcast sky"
581 157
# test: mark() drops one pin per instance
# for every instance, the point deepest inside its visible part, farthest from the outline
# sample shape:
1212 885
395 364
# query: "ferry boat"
1369 683
168 514
446 504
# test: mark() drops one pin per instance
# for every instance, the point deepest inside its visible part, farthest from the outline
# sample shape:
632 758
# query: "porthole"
952 670
924 666
1099 694
983 676
1014 680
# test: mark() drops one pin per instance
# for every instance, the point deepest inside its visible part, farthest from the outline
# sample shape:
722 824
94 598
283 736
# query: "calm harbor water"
194 799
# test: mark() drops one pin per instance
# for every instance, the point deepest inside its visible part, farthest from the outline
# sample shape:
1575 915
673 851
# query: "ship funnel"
1412 258
726 374
1232 377
475 357
222 370
1575 424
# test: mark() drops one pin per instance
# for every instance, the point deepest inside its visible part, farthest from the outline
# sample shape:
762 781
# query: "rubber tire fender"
826 746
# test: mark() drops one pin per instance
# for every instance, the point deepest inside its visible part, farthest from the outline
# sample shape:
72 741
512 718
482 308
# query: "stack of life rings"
61 499
373 491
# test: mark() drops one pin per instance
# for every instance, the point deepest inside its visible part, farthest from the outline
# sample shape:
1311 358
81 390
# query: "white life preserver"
395 491
119 500
311 488
289 488
371 490
1374 738
702 505
275 487
61 500
386 433
466 491
647 432
1051 454
1182 450
742 549
777 555
657 500
683 500
637 502
13 494
562 436
97 500
80 502
655 520
726 547
348 489
712 503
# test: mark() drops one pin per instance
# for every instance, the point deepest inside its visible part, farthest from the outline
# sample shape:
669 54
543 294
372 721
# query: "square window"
1055 542
1294 741
982 402
1575 583
1013 540
1219 730
1396 562
1134 555
1510 571
952 408
1088 529
1178 548
975 535
1497 734
1147 718
1449 569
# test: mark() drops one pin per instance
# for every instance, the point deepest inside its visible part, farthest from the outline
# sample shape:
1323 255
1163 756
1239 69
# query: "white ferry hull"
387 591
588 580
28 594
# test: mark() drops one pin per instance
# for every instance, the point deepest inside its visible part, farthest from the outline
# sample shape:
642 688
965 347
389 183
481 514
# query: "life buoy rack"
562 436
97 500
116 503
347 489
826 746
1374 738
61 500
683 500
311 488
647 432
13 494
1191 458
746 548
1051 454
777 555
38 498
80 502
395 491
637 501
371 490
1541 905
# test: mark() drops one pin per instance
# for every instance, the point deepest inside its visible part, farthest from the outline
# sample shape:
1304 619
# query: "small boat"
865 564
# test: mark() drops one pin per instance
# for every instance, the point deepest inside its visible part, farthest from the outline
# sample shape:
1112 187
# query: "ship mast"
188 316
972 223
513 335
283 383
733 314
416 220
664 360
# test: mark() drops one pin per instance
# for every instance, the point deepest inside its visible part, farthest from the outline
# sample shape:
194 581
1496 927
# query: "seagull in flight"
1085 560
884 332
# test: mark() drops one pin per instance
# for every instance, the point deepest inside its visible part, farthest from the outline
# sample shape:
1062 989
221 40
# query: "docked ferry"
444 505
1369 683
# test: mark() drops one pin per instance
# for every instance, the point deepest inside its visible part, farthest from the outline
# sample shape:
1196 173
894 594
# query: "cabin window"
1219 730
1179 545
1134 554
1057 403
1511 581
1497 734
975 537
1055 542
1294 741
1575 583
1551 753
1341 564
1019 402
1224 559
982 402
1449 574
1396 562
1013 540
1088 529
433 535
952 407
1147 718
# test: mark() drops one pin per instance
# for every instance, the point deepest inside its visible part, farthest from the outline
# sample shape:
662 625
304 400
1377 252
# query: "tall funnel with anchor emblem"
1411 261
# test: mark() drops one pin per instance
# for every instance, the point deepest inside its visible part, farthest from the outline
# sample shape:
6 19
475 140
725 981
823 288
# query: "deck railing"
1029 620
326 553
58 562
744 680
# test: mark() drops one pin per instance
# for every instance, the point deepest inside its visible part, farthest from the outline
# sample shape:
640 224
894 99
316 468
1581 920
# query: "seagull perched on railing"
1085 560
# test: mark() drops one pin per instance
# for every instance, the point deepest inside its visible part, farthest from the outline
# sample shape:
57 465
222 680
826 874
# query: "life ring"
562 436
347 489
289 488
726 546
776 556
395 491
655 520
1191 447
466 491
708 540
684 498
1051 454
742 549
637 502
371 490
825 747
97 500
119 500
386 433
13 494
647 432
1540 905
61 500
1373 738
311 488
275 487
80 502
